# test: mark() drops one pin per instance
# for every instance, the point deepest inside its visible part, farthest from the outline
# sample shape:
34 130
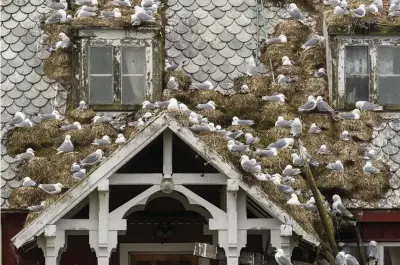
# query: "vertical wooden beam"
51 242
103 254
167 152
232 251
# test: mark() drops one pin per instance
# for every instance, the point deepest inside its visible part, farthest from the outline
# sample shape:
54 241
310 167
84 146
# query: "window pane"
391 255
101 60
133 60
356 62
101 90
389 60
133 88
389 90
357 88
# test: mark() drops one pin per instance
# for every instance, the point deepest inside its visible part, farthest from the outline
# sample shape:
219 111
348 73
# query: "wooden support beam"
167 152
248 224
179 179
90 224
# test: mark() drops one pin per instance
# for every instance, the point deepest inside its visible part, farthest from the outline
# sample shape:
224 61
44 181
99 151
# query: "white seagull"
93 158
105 140
370 169
281 39
120 139
248 165
281 122
29 153
368 106
295 12
293 200
237 121
51 188
313 42
172 84
314 129
66 146
28 182
336 166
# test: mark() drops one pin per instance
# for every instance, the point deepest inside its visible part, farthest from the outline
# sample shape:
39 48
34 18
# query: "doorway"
164 259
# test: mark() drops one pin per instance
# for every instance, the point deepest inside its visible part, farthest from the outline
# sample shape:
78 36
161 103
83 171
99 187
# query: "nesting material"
215 116
288 70
295 31
275 52
316 86
43 135
347 148
82 116
180 77
179 95
59 65
313 59
123 22
270 113
258 85
203 96
276 164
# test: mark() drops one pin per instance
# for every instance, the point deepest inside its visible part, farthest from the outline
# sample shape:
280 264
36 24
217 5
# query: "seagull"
147 116
288 180
29 153
274 98
340 258
24 124
297 161
203 128
79 175
244 89
86 2
371 9
284 79
53 115
75 167
66 146
114 13
294 12
371 155
142 15
57 17
207 85
353 115
148 105
88 8
36 208
172 84
368 106
93 158
210 105
370 169
105 140
351 260
282 143
263 176
281 122
281 259
194 118
173 104
338 10
250 166
64 42
310 203
313 42
372 250
18 118
82 105
296 128
121 3
322 106
28 182
237 121
336 166
339 208
345 136
319 73
394 13
286 61
250 140
251 67
83 13
173 66
290 171
234 134
56 6
281 39
51 188
267 153
314 129
101 119
309 105
323 150
293 200
120 139
237 148
358 12
69 127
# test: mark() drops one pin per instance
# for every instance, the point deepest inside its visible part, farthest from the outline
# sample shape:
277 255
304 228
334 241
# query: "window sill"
115 107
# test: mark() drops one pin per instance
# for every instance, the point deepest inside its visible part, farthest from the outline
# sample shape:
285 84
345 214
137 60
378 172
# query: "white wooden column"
51 242
103 253
283 239
167 152
232 252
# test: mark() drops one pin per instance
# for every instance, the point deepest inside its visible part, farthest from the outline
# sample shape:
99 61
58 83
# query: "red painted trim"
366 216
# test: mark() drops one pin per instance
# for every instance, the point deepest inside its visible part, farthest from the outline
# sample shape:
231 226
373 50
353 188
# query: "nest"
215 116
295 31
258 85
270 113
43 135
312 142
275 52
85 22
276 164
82 116
59 65
53 30
316 86
347 148
179 95
288 70
313 58
203 96
183 80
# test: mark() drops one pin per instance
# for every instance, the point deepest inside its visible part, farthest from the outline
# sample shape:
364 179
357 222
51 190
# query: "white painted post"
103 254
232 252
283 239
51 242
167 152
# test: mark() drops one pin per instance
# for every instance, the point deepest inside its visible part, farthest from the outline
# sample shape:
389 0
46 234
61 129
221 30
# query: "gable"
123 155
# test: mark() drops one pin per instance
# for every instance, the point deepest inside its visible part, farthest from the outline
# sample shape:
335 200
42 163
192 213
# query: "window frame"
373 43
381 248
118 39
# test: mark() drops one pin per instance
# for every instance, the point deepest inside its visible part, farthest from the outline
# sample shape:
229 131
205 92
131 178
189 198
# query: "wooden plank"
179 179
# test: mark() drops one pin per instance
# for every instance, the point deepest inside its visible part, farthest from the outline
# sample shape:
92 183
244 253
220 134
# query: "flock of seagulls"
89 8
341 8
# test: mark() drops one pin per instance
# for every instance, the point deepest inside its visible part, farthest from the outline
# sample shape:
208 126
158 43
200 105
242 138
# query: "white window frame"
373 43
381 246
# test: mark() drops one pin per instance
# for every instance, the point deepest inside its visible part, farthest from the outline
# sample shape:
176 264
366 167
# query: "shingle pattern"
216 37
24 85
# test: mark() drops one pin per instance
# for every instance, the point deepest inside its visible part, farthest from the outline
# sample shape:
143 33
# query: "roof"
148 133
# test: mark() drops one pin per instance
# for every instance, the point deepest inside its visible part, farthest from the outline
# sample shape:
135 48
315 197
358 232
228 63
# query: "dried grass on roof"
288 70
42 135
58 65
180 77
215 116
203 96
275 52
82 116
258 85
270 113
179 95
86 22
295 31
313 59
316 86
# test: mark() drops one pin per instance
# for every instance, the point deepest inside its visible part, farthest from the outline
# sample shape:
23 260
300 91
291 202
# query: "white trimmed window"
388 253
368 70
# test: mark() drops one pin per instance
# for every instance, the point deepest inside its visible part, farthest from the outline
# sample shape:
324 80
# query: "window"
388 253
117 71
369 70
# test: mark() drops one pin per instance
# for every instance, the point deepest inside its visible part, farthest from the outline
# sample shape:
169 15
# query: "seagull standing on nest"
370 169
336 166
313 42
293 200
358 12
93 158
66 146
114 13
339 208
172 84
51 188
207 85
25 156
295 12
120 139
309 105
28 182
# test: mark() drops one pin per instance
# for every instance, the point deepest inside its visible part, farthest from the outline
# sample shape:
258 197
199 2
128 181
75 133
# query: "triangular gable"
116 160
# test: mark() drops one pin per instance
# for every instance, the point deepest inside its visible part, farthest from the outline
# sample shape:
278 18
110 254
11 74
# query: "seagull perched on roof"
244 89
120 139
88 8
29 153
58 17
345 136
53 115
250 140
370 169
358 12
66 146
339 208
28 182
173 104
83 13
64 42
82 105
286 61
267 153
368 106
93 158
323 150
313 42
371 155
24 124
336 166
86 2
309 105
251 67
237 148
207 85
210 105
274 98
121 2
319 73
352 115
281 39
69 127
114 13
248 165
314 129
237 121
79 175
203 128
51 188
285 79
340 258
282 143
290 171
148 105
293 200
371 9
297 161
105 140
75 167
281 259
101 119
338 10
372 250
322 106
142 15
18 118
296 128
172 84
281 122
36 208
56 6
295 12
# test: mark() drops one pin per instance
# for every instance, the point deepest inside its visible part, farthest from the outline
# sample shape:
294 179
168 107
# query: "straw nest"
84 22
179 95
180 77
295 31
82 116
275 52
58 65
313 59
258 85
203 96
288 70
